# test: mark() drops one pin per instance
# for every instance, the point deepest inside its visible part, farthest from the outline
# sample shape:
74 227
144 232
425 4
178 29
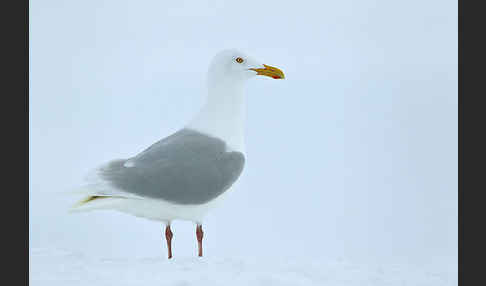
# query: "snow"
60 267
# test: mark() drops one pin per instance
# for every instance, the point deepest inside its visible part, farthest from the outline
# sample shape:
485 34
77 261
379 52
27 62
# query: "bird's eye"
239 60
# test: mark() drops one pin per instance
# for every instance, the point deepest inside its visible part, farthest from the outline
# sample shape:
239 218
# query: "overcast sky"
353 155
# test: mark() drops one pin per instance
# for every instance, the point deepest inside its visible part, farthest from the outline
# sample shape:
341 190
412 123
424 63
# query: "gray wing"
187 167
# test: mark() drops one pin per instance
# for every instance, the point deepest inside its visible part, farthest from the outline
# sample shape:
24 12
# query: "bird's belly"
160 210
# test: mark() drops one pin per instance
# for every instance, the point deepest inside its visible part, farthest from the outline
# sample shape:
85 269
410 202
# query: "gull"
184 175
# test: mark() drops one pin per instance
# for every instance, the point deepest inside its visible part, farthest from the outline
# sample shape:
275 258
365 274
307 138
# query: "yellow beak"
270 71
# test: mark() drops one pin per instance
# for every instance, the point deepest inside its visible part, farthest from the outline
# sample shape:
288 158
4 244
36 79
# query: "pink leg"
168 237
199 235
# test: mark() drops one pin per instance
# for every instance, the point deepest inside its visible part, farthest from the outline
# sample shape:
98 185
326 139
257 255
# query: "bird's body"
186 174
179 177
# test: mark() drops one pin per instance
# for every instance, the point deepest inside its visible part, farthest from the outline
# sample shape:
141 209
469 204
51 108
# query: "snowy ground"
56 267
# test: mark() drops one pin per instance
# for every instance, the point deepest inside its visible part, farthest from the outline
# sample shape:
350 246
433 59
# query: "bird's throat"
223 115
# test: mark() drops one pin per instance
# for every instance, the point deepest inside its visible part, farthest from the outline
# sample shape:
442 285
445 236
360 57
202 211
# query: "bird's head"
233 65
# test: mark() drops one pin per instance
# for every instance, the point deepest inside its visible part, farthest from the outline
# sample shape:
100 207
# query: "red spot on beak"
276 77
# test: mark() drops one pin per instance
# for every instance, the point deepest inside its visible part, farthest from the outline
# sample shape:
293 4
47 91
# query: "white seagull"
185 174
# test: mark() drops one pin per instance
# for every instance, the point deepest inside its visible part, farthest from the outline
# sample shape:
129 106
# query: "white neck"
223 115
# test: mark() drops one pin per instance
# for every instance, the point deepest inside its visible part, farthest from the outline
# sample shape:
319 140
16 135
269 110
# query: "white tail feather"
90 203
